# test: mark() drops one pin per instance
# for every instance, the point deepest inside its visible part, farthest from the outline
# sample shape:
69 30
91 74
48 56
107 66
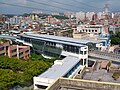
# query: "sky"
60 6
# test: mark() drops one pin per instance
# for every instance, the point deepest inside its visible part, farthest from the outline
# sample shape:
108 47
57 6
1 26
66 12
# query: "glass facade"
37 45
91 46
52 51
46 48
70 48
50 48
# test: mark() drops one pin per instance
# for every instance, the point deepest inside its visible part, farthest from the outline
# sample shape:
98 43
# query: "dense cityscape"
54 50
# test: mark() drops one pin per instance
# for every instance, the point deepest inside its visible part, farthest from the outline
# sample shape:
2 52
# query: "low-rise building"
94 29
93 32
20 52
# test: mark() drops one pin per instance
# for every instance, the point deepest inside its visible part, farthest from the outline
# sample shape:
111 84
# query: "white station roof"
59 39
59 70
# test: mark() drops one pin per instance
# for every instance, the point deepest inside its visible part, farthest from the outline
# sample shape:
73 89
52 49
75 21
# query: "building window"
85 61
95 30
81 61
21 57
85 52
77 50
26 51
92 30
14 55
14 50
2 54
81 52
2 48
21 53
27 39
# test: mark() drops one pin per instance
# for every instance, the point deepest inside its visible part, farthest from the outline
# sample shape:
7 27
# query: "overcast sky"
72 5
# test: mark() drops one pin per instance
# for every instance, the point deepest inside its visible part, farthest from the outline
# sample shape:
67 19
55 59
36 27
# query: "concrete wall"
56 85
93 68
21 52
12 50
4 46
76 84
82 72
80 35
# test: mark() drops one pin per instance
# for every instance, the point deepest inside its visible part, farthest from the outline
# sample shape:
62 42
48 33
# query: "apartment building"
20 52
91 29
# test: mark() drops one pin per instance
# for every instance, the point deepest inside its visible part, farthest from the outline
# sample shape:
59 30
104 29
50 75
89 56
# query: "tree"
7 78
18 72
115 39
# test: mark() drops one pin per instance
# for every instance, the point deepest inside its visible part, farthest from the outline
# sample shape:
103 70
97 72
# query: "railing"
104 55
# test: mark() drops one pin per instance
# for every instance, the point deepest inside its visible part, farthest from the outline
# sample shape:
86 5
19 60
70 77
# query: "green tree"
115 39
18 72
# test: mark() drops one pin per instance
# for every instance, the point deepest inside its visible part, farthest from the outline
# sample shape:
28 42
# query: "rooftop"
60 68
101 74
79 84
7 37
59 39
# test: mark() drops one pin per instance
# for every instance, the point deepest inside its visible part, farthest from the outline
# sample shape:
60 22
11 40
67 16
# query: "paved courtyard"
100 75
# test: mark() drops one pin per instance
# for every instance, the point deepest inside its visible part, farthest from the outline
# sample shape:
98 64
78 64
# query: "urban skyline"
27 6
59 45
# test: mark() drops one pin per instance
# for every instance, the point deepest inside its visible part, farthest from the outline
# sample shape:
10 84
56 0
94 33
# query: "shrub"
115 76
